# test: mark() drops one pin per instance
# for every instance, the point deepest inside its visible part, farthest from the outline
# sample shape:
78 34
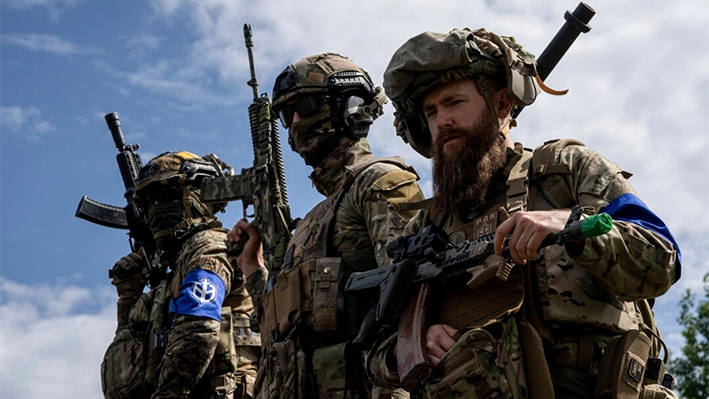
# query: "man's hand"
528 230
439 339
130 274
251 257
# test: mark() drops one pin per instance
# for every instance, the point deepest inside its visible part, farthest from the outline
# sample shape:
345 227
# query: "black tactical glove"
130 274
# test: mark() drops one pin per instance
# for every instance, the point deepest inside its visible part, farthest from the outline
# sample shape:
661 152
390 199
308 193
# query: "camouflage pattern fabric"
366 220
197 359
461 52
597 287
481 366
129 275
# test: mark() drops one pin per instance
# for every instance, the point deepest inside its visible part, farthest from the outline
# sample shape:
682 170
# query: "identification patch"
485 225
636 370
201 294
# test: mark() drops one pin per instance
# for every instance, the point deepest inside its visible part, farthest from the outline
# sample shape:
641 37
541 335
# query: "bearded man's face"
467 147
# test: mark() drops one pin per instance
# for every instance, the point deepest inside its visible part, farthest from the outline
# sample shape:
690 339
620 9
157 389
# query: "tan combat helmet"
334 98
167 192
432 58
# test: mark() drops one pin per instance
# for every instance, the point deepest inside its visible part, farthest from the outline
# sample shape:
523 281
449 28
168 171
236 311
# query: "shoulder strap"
549 174
354 170
518 184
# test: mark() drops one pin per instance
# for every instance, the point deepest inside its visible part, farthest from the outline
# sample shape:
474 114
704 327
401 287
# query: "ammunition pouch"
123 366
131 360
628 372
314 288
484 363
281 372
336 370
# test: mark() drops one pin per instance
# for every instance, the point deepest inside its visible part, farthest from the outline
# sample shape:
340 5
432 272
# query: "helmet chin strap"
484 86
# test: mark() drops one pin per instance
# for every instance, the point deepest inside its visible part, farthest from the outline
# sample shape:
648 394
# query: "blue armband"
630 208
201 294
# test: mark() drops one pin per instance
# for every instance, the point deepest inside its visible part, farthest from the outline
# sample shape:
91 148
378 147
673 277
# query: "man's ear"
504 103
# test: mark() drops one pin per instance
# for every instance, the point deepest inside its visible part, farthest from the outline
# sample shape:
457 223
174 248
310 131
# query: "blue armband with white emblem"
201 294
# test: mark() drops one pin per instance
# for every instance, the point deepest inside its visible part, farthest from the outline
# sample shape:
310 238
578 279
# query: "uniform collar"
329 176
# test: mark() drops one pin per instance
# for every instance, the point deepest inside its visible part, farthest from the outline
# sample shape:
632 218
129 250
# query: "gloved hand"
130 274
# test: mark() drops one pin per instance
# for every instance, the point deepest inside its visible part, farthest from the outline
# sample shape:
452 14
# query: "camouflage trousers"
483 363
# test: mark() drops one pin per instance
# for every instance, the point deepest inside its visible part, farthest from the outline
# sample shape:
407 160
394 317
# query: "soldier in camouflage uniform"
453 95
198 316
307 323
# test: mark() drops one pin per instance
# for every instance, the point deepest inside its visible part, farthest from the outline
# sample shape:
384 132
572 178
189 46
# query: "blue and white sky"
176 72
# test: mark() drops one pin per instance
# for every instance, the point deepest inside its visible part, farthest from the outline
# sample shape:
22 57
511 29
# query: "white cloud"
27 122
46 43
50 346
639 80
54 7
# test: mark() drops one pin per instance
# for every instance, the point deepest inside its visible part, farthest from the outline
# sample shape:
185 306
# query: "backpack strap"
518 185
548 174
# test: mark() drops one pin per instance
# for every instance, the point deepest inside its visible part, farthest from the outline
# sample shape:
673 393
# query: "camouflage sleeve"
191 345
381 363
416 223
256 283
376 195
192 340
630 262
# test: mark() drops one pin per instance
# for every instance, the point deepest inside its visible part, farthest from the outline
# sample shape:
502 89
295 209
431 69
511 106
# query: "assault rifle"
128 217
262 186
428 257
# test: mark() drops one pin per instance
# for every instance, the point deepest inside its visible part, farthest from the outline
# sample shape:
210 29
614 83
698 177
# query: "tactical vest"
309 289
567 293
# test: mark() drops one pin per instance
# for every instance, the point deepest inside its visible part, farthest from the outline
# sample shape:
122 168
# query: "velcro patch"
394 179
636 369
201 294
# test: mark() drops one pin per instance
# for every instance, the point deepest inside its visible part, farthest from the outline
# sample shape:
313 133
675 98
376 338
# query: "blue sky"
176 72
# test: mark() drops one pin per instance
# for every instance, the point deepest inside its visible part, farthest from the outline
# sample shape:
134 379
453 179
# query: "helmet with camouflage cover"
167 192
334 98
432 58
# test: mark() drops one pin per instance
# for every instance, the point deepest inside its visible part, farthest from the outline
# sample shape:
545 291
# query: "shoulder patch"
393 180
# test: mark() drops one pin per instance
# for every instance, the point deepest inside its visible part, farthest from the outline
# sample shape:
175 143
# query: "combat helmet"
167 193
432 58
334 98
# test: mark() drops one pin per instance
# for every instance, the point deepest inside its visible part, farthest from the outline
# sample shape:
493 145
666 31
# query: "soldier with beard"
548 324
307 323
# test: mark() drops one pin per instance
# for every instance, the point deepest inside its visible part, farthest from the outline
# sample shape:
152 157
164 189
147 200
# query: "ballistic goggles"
305 106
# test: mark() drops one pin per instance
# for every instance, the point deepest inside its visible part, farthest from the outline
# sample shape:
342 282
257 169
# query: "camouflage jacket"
204 355
595 288
366 218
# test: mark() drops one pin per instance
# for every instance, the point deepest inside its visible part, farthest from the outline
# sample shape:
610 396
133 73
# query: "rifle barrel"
248 38
114 125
